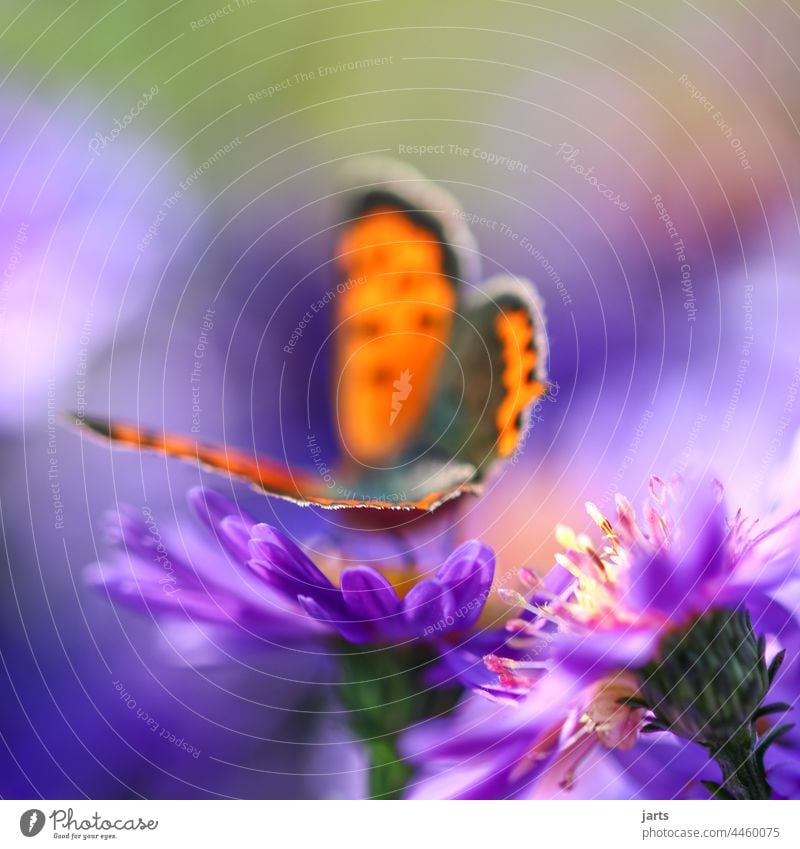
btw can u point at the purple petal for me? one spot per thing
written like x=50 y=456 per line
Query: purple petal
x=703 y=540
x=673 y=582
x=769 y=616
x=464 y=781
x=656 y=583
x=281 y=562
x=211 y=507
x=127 y=531
x=428 y=609
x=588 y=656
x=470 y=671
x=766 y=569
x=784 y=774
x=368 y=595
x=353 y=632
x=555 y=582
x=477 y=751
x=660 y=766
x=468 y=574
x=224 y=519
x=146 y=594
x=234 y=534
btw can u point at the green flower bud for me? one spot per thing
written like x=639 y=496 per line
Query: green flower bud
x=710 y=678
x=708 y=685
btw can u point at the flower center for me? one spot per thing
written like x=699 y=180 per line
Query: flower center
x=605 y=719
x=615 y=723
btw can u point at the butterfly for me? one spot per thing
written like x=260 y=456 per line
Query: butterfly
x=435 y=377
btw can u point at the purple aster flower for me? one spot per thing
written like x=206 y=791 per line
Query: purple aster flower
x=594 y=642
x=562 y=741
x=365 y=607
x=179 y=575
x=262 y=584
x=646 y=582
x=404 y=647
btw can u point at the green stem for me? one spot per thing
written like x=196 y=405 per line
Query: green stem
x=388 y=772
x=743 y=775
x=385 y=693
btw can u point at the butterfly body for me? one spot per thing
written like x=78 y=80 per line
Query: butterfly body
x=434 y=376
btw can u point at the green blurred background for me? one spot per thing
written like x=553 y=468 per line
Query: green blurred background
x=502 y=74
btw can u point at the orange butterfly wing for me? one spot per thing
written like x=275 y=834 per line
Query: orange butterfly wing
x=270 y=476
x=522 y=377
x=392 y=327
